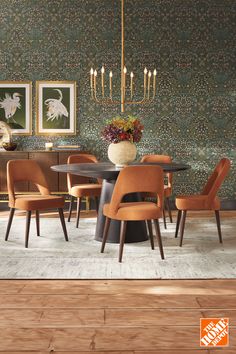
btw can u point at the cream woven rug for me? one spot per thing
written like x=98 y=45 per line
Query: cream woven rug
x=50 y=257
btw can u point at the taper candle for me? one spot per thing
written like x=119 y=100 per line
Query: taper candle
x=149 y=81
x=91 y=78
x=131 y=84
x=144 y=82
x=95 y=80
x=124 y=80
x=110 y=76
x=102 y=78
x=154 y=82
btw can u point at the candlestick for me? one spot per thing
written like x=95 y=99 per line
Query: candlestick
x=102 y=77
x=110 y=76
x=144 y=82
x=131 y=84
x=154 y=82
x=48 y=146
x=149 y=81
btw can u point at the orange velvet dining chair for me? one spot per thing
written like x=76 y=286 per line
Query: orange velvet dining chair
x=136 y=179
x=30 y=171
x=167 y=186
x=79 y=186
x=207 y=200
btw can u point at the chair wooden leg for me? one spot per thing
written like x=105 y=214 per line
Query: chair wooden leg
x=158 y=233
x=78 y=211
x=182 y=225
x=96 y=203
x=63 y=224
x=177 y=223
x=164 y=217
x=168 y=208
x=70 y=207
x=12 y=211
x=28 y=218
x=150 y=233
x=217 y=214
x=122 y=239
x=37 y=222
x=105 y=233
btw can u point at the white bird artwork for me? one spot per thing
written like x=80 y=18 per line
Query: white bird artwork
x=55 y=108
x=10 y=104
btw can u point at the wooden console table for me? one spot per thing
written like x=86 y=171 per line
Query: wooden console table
x=46 y=159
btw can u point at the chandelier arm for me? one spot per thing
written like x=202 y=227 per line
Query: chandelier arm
x=146 y=101
x=107 y=101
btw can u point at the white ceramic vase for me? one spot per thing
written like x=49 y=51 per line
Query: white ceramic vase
x=121 y=154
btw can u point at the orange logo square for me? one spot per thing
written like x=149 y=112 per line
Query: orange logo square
x=214 y=332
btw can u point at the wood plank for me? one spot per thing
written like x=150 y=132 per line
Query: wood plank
x=216 y=313
x=182 y=351
x=98 y=301
x=9 y=287
x=165 y=317
x=128 y=338
x=224 y=350
x=191 y=287
x=92 y=339
x=51 y=317
x=25 y=339
x=83 y=352
x=217 y=302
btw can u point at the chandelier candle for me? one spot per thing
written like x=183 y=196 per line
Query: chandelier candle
x=131 y=84
x=102 y=79
x=110 y=75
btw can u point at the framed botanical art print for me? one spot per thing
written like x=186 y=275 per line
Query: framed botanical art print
x=15 y=106
x=56 y=107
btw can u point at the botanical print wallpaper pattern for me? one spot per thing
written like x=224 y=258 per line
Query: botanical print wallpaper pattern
x=191 y=43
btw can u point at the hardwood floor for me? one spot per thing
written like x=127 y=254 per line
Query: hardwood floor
x=115 y=316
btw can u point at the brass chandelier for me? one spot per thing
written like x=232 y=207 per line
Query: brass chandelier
x=126 y=91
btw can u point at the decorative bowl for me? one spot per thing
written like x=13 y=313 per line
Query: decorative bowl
x=9 y=146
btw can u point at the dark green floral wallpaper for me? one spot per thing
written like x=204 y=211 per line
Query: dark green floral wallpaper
x=191 y=43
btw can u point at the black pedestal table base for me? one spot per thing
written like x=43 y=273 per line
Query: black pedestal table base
x=136 y=230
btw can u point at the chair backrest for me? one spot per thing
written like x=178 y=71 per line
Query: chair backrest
x=162 y=159
x=80 y=158
x=25 y=170
x=216 y=179
x=138 y=179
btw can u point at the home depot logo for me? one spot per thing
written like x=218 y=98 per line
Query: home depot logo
x=214 y=332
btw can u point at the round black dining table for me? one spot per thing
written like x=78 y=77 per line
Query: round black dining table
x=136 y=230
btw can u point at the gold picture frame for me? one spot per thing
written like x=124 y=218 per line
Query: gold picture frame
x=55 y=107
x=16 y=106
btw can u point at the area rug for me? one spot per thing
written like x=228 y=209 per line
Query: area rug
x=50 y=257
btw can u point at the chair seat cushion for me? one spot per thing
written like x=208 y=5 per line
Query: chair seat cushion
x=38 y=202
x=196 y=202
x=86 y=190
x=134 y=211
